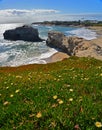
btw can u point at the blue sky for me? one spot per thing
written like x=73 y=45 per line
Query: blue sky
x=45 y=10
x=64 y=6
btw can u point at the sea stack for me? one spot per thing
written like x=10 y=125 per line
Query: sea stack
x=25 y=33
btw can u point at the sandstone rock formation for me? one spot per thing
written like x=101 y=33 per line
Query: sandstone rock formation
x=25 y=33
x=74 y=45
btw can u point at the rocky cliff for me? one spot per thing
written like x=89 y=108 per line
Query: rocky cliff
x=74 y=45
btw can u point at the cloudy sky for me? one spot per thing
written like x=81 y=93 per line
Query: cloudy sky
x=39 y=10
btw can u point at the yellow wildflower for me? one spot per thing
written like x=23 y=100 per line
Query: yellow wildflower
x=5 y=82
x=80 y=98
x=60 y=101
x=93 y=118
x=29 y=78
x=98 y=124
x=39 y=115
x=55 y=97
x=7 y=87
x=70 y=99
x=11 y=95
x=11 y=83
x=6 y=103
x=17 y=91
x=99 y=67
x=86 y=78
x=54 y=105
x=71 y=90
x=18 y=76
x=53 y=124
x=101 y=74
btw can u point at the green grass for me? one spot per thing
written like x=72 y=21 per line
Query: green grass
x=27 y=102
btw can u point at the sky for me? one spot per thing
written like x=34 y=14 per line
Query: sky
x=10 y=9
x=65 y=6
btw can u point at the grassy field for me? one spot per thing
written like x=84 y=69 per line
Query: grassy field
x=65 y=95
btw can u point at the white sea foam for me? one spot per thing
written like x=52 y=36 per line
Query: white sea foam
x=3 y=57
x=41 y=59
x=50 y=28
x=48 y=54
x=35 y=25
x=22 y=59
x=83 y=33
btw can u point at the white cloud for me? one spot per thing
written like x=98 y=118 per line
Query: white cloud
x=26 y=16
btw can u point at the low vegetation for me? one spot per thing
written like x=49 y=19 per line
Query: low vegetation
x=84 y=23
x=65 y=95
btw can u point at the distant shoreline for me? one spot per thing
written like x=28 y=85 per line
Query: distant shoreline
x=79 y=23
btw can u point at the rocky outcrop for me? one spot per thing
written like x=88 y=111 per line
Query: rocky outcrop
x=25 y=33
x=66 y=44
x=74 y=45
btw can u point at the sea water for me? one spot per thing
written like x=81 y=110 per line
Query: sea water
x=16 y=53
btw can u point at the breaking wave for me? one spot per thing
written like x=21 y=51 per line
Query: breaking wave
x=83 y=33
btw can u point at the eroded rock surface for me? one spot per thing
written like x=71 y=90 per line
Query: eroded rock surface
x=74 y=45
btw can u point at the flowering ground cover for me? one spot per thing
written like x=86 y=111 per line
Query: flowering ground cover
x=65 y=95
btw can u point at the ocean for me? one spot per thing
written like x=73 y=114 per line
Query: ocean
x=17 y=53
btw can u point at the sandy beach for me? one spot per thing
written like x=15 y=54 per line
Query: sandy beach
x=97 y=29
x=59 y=56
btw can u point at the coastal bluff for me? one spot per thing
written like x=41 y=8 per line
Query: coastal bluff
x=25 y=33
x=74 y=46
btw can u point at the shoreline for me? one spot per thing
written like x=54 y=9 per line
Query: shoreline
x=58 y=56
x=97 y=29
